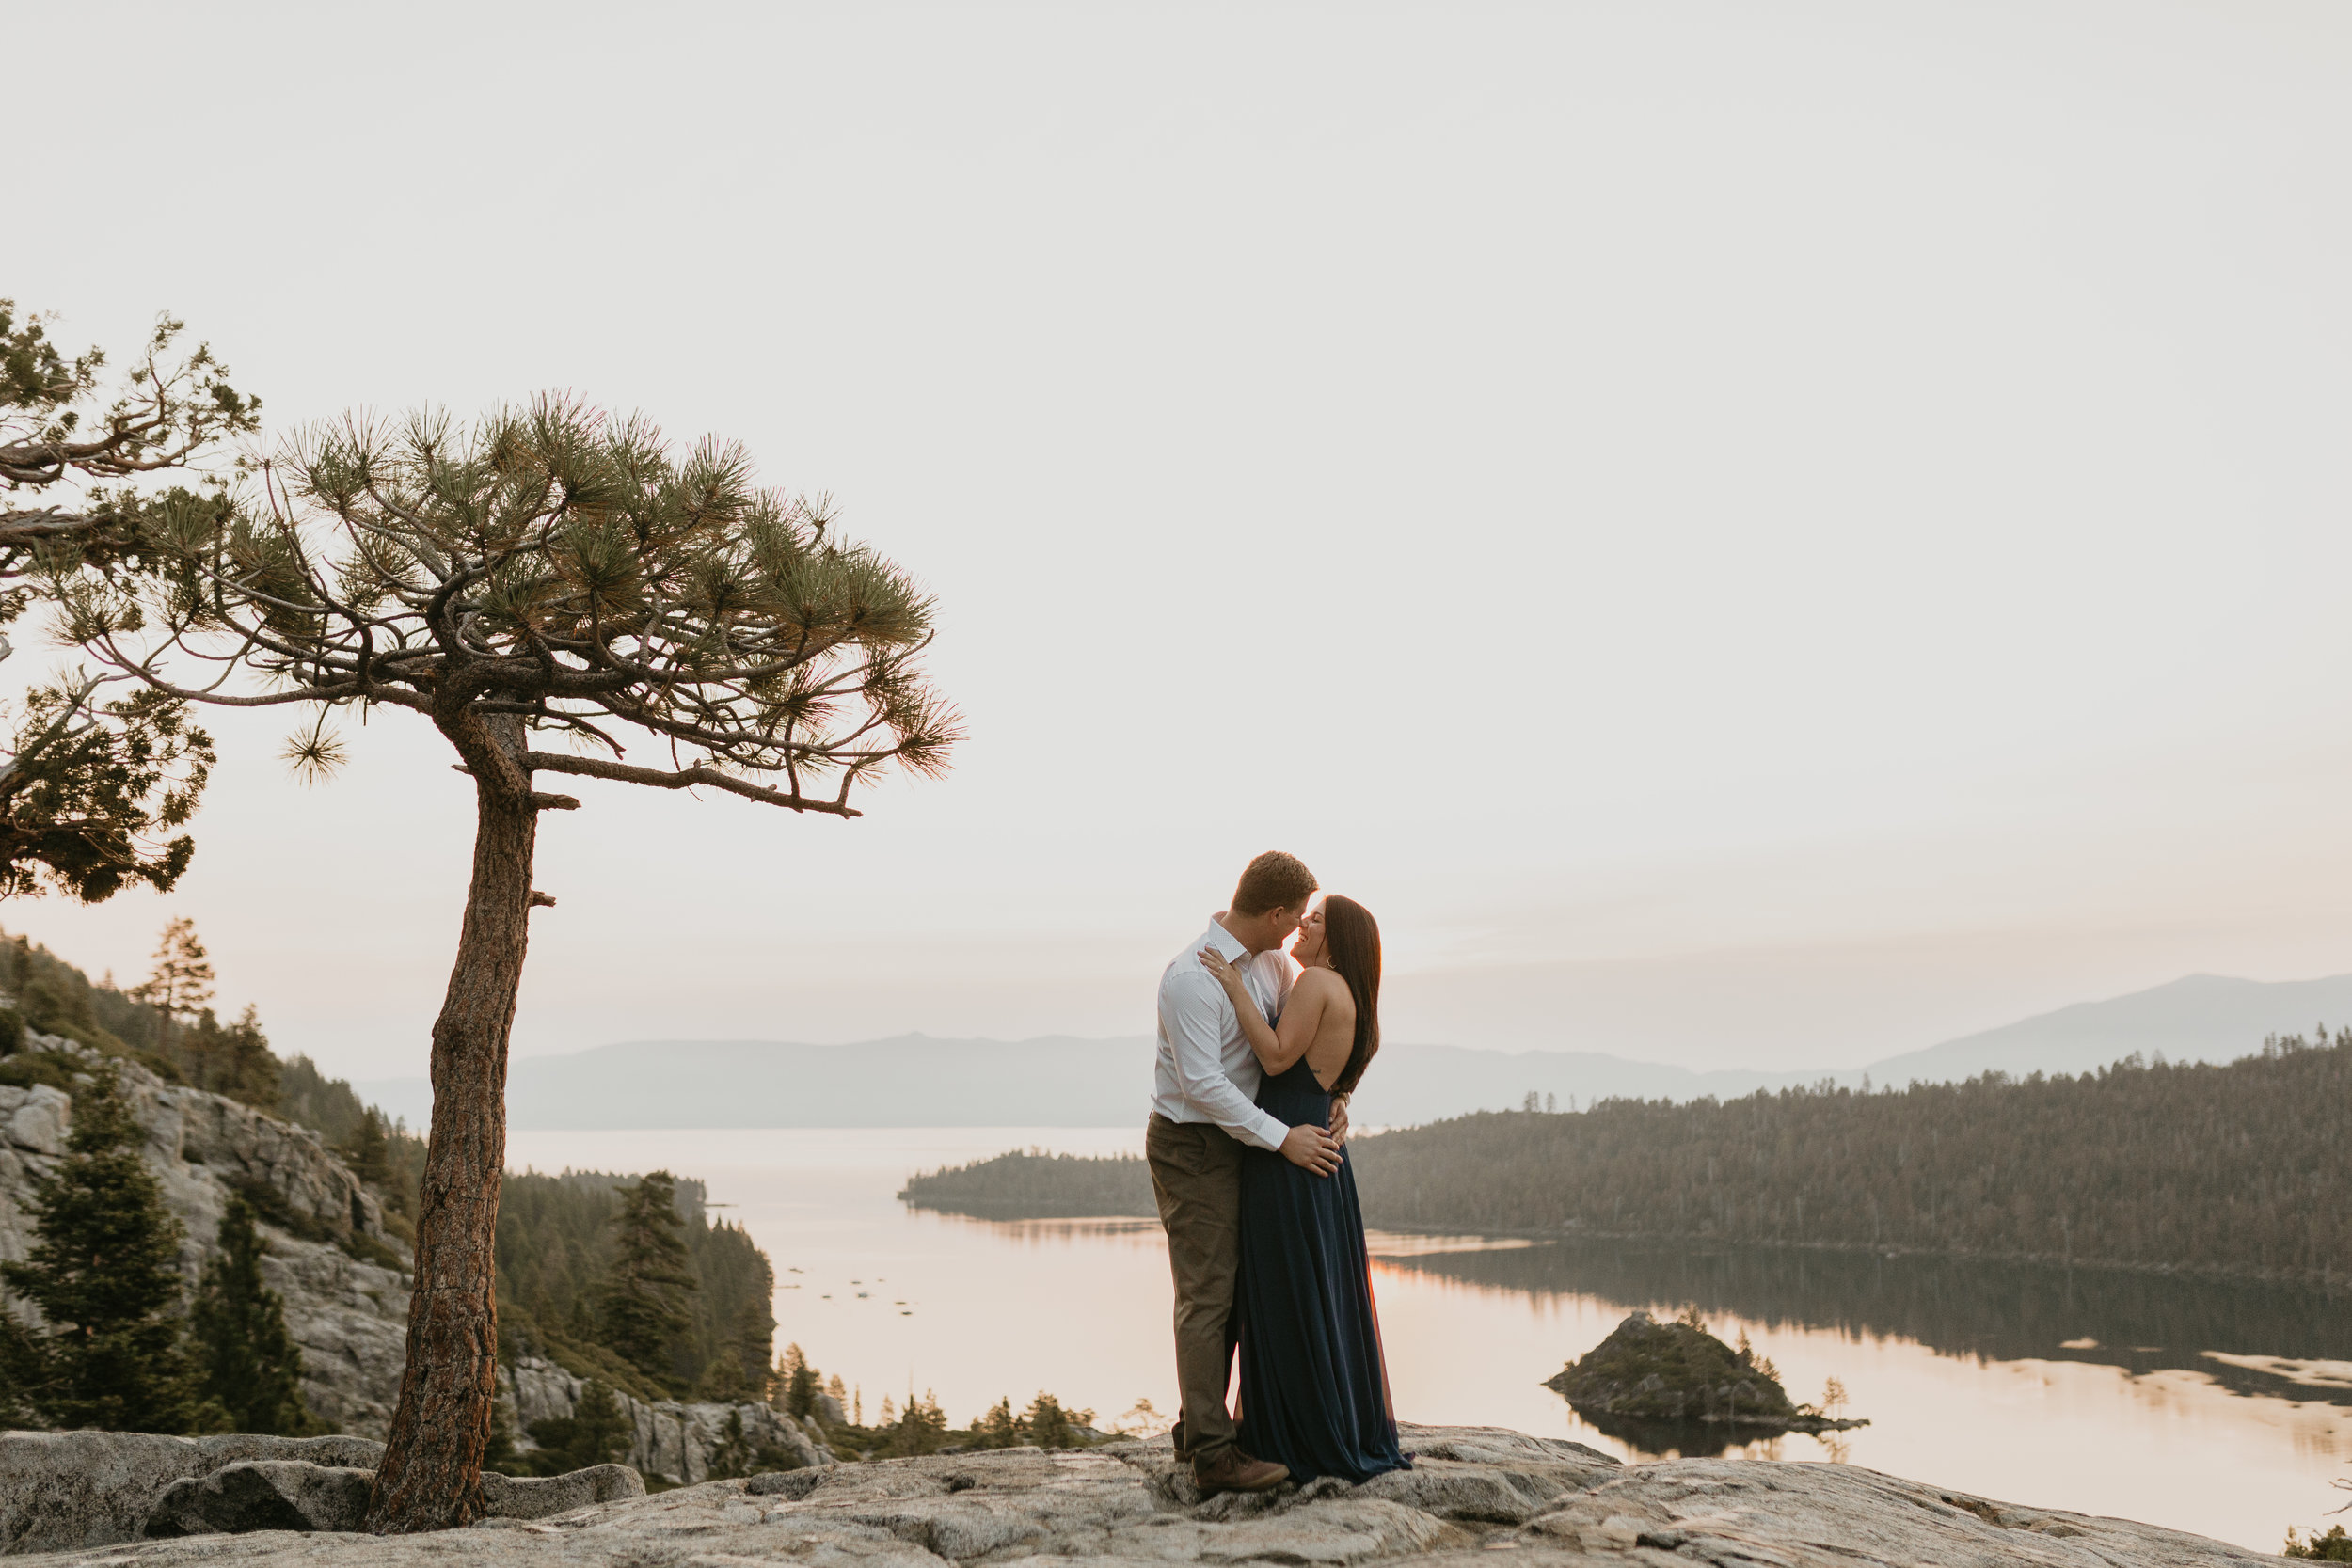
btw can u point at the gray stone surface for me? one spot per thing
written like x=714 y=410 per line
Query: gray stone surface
x=539 y=1496
x=667 y=1438
x=60 y=1489
x=1544 y=1502
x=349 y=1317
x=264 y=1495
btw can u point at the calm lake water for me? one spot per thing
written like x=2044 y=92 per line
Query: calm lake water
x=2221 y=1409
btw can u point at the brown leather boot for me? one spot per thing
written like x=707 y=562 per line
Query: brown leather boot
x=1235 y=1472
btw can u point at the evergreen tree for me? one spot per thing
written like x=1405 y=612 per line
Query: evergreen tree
x=370 y=1151
x=23 y=1374
x=643 y=1307
x=1049 y=1426
x=244 y=1355
x=920 y=1429
x=243 y=1062
x=182 y=979
x=801 y=1383
x=999 y=1428
x=88 y=788
x=596 y=1432
x=103 y=1274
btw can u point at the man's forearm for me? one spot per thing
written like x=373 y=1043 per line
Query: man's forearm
x=1236 y=1113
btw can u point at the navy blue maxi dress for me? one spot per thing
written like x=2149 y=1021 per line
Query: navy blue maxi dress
x=1314 y=1390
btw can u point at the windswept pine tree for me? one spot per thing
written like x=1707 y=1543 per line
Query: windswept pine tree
x=649 y=1287
x=548 y=587
x=104 y=1275
x=245 y=1359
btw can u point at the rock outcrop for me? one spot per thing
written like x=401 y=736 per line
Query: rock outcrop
x=350 y=1317
x=61 y=1489
x=668 y=1439
x=1473 y=1491
x=264 y=1494
x=276 y=1495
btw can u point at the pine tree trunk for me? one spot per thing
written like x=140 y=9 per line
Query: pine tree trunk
x=431 y=1474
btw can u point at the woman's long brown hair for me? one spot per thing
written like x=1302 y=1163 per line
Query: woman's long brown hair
x=1353 y=940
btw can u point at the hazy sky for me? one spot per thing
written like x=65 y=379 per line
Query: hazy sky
x=1766 y=534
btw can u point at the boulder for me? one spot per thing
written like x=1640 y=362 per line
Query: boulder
x=542 y=1497
x=62 y=1489
x=792 y=1485
x=359 y=1454
x=66 y=1489
x=264 y=1494
x=248 y=1495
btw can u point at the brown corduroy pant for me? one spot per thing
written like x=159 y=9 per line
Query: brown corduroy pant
x=1195 y=1176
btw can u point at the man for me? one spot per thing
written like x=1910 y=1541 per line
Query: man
x=1204 y=1089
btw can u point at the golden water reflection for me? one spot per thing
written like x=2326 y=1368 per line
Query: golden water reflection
x=2211 y=1410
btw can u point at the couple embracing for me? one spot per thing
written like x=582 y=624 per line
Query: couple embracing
x=1248 y=1156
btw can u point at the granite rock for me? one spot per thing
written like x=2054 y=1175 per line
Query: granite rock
x=666 y=1438
x=349 y=1317
x=264 y=1494
x=61 y=1489
x=1546 y=1503
x=539 y=1496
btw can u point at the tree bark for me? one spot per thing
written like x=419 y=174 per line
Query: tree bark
x=431 y=1474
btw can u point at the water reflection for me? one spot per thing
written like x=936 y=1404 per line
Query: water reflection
x=2284 y=1341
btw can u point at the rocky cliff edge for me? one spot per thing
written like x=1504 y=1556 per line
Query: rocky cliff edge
x=349 y=1317
x=1473 y=1492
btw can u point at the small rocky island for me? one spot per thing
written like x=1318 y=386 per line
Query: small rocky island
x=1648 y=1375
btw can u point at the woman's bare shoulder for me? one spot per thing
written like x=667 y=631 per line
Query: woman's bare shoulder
x=1324 y=984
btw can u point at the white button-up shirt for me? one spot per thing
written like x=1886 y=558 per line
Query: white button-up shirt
x=1205 y=1070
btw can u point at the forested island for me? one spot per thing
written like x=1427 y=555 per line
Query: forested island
x=2237 y=1170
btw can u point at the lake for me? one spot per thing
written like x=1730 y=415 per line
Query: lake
x=2221 y=1409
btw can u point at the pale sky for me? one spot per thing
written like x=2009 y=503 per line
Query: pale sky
x=1746 y=533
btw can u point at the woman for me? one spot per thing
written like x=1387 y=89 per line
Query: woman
x=1314 y=1390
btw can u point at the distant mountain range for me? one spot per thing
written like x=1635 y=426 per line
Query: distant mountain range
x=915 y=1081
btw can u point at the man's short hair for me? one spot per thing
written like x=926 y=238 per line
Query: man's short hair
x=1274 y=881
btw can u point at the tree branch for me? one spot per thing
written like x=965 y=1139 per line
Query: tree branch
x=685 y=777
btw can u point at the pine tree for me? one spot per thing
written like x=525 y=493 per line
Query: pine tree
x=244 y=1355
x=643 y=1306
x=369 y=1152
x=246 y=1068
x=103 y=1276
x=88 y=788
x=596 y=1432
x=920 y=1429
x=182 y=979
x=178 y=989
x=998 y=1427
x=801 y=1383
x=1049 y=1426
x=543 y=580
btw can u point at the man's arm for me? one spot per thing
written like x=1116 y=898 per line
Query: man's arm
x=1192 y=1015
